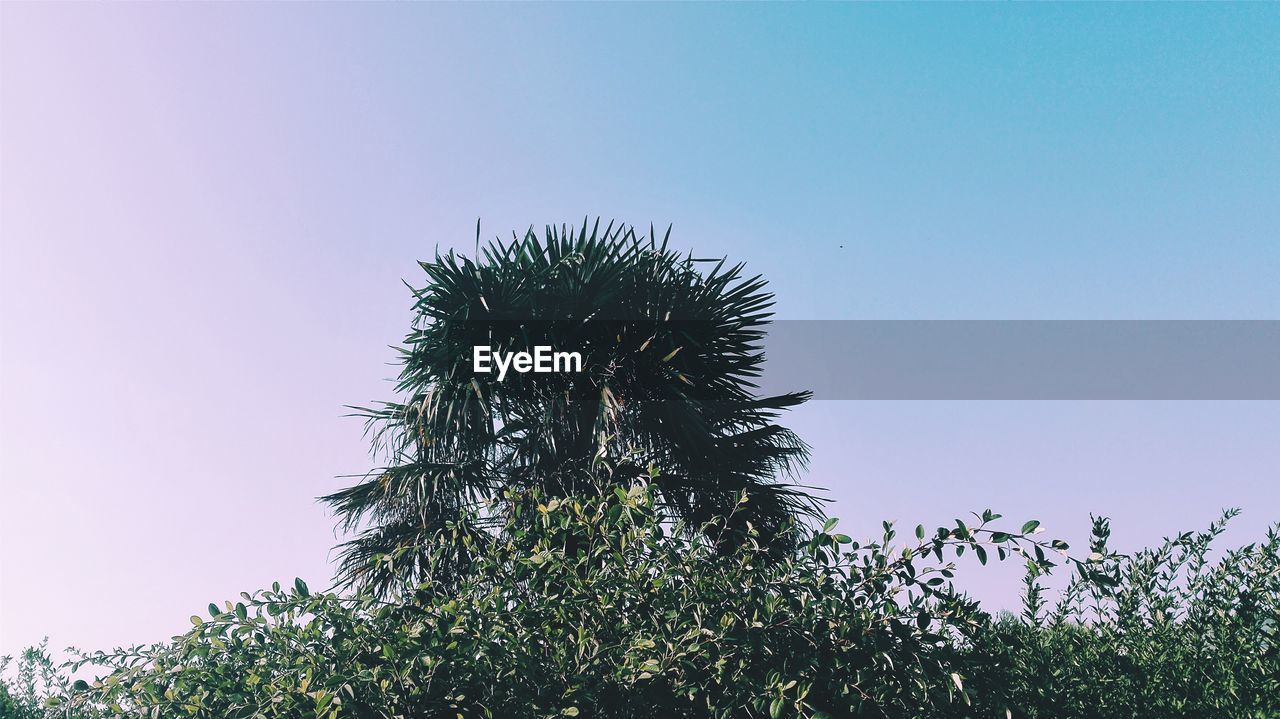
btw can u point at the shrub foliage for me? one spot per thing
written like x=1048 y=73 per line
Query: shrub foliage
x=1162 y=633
x=596 y=607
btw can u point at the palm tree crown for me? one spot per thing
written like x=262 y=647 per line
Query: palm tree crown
x=669 y=354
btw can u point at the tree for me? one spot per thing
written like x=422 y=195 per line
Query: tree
x=666 y=392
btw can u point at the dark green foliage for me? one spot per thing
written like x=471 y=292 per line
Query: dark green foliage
x=671 y=346
x=1163 y=633
x=41 y=689
x=592 y=607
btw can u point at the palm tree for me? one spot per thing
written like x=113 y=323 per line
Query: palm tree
x=665 y=391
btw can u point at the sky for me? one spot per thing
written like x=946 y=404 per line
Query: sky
x=207 y=212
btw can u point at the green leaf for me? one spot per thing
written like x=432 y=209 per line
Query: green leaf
x=301 y=587
x=1030 y=527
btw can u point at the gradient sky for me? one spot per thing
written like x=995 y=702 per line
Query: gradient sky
x=206 y=212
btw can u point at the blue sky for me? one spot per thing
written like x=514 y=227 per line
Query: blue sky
x=206 y=212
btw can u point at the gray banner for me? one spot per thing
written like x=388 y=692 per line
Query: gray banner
x=1003 y=359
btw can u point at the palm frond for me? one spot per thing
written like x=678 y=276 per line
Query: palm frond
x=671 y=355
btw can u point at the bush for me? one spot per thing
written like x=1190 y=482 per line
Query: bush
x=599 y=608
x=1163 y=633
x=40 y=689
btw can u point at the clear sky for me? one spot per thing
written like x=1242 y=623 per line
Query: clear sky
x=206 y=211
